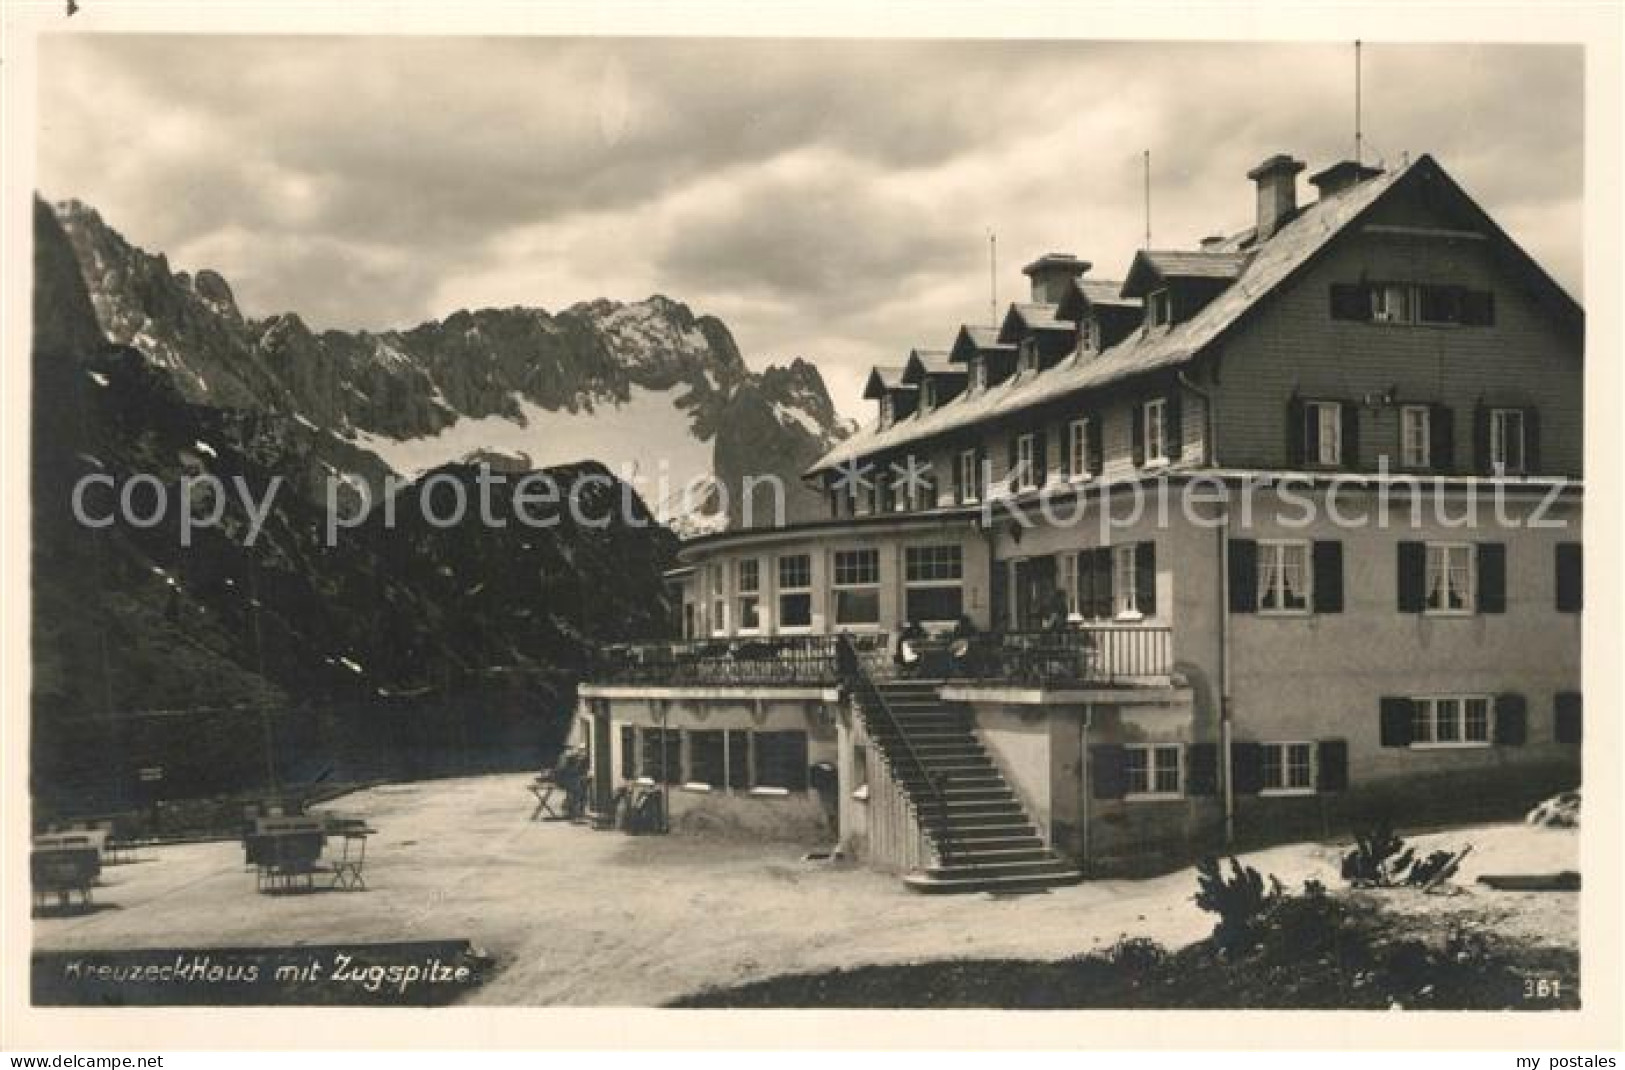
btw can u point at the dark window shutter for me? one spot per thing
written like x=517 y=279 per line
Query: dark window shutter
x=1531 y=441
x=1247 y=767
x=1478 y=308
x=1413 y=576
x=674 y=756
x=1096 y=443
x=1086 y=583
x=981 y=472
x=1015 y=454
x=1395 y=727
x=1145 y=577
x=1566 y=717
x=1297 y=432
x=1138 y=433
x=1481 y=439
x=1202 y=769
x=1040 y=457
x=1243 y=576
x=1173 y=426
x=739 y=759
x=629 y=752
x=1328 y=566
x=998 y=587
x=1511 y=720
x=1350 y=301
x=1332 y=762
x=1106 y=767
x=1105 y=582
x=1492 y=577
x=1350 y=417
x=1570 y=578
x=1442 y=438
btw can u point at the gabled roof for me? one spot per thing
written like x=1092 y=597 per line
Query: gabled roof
x=884 y=379
x=973 y=339
x=1152 y=268
x=923 y=362
x=1270 y=265
x=1084 y=293
x=1026 y=317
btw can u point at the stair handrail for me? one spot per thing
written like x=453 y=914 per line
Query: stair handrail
x=849 y=666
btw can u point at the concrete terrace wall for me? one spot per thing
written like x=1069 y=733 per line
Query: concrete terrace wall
x=798 y=816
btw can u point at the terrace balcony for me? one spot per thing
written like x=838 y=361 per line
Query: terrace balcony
x=1090 y=656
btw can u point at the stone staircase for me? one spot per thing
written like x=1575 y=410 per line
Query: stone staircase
x=984 y=840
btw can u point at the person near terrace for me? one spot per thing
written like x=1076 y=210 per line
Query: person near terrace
x=908 y=647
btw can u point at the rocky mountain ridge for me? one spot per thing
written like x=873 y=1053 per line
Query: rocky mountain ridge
x=540 y=387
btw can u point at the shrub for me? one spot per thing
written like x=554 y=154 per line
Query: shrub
x=1136 y=954
x=1439 y=865
x=1378 y=857
x=1239 y=899
x=1381 y=859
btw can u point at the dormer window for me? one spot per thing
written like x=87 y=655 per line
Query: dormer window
x=1159 y=308
x=928 y=395
x=887 y=410
x=978 y=372
x=1089 y=335
x=1029 y=355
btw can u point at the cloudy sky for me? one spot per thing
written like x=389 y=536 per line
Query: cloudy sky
x=826 y=199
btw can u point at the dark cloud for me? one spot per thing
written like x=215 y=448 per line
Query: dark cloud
x=827 y=198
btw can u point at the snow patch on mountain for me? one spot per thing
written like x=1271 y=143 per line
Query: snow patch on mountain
x=647 y=441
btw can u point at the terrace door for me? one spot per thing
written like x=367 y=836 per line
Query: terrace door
x=1034 y=583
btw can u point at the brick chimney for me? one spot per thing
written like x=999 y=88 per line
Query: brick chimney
x=1051 y=273
x=1341 y=175
x=1277 y=182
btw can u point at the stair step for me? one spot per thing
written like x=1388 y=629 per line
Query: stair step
x=932 y=884
x=960 y=857
x=958 y=808
x=986 y=778
x=1047 y=862
x=962 y=848
x=991 y=824
x=1005 y=833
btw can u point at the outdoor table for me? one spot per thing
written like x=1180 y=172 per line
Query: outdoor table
x=285 y=850
x=63 y=863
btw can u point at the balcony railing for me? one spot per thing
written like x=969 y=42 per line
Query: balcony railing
x=788 y=661
x=1093 y=655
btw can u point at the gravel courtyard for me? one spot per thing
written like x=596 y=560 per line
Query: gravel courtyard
x=574 y=916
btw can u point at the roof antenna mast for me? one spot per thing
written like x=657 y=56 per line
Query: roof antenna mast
x=1148 y=199
x=992 y=278
x=1358 y=137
